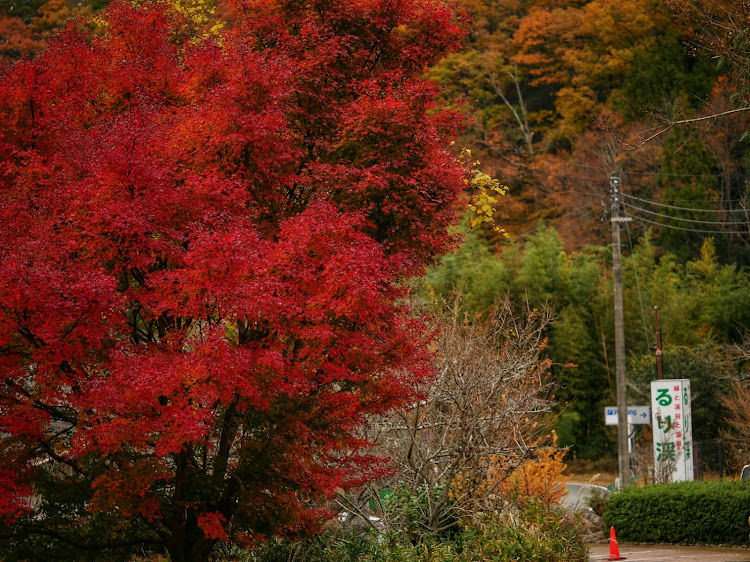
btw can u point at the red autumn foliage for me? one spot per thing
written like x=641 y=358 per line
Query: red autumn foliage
x=203 y=249
x=212 y=525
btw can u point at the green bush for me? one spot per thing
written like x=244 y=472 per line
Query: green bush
x=534 y=534
x=538 y=534
x=682 y=513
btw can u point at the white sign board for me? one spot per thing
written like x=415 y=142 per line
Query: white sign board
x=673 y=430
x=637 y=415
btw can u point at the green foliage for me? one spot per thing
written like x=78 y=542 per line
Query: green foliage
x=596 y=499
x=661 y=72
x=688 y=177
x=720 y=294
x=682 y=513
x=533 y=534
x=585 y=386
x=700 y=299
x=541 y=271
x=567 y=428
x=537 y=535
x=408 y=509
x=703 y=304
x=709 y=383
x=474 y=271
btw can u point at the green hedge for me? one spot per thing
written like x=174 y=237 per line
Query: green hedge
x=682 y=513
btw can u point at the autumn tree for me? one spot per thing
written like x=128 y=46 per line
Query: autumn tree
x=204 y=242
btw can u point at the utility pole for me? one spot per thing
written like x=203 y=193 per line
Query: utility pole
x=623 y=454
x=658 y=342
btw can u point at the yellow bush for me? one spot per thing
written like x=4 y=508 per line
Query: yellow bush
x=539 y=478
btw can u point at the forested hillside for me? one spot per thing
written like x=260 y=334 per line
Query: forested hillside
x=564 y=93
x=560 y=94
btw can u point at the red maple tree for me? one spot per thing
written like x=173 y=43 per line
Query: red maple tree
x=204 y=244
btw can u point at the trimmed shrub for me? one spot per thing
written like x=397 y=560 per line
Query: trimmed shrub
x=682 y=513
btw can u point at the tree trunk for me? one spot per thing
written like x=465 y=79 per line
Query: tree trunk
x=189 y=544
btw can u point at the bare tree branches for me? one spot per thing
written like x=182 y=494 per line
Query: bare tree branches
x=520 y=114
x=665 y=127
x=478 y=418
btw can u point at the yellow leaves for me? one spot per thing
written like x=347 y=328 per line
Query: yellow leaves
x=196 y=11
x=482 y=189
x=538 y=478
x=575 y=106
x=216 y=28
x=198 y=15
x=100 y=24
x=708 y=254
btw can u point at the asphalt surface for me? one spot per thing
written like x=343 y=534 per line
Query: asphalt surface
x=647 y=553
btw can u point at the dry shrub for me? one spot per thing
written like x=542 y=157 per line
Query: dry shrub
x=737 y=434
x=479 y=420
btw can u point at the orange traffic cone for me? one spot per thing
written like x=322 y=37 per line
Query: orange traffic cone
x=614 y=550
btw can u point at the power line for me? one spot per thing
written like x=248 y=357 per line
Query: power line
x=650 y=174
x=591 y=194
x=707 y=201
x=657 y=204
x=589 y=166
x=694 y=221
x=565 y=177
x=696 y=230
x=668 y=175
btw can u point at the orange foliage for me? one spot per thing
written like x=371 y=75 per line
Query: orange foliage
x=56 y=13
x=538 y=479
x=16 y=38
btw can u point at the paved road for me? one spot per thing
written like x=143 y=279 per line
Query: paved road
x=646 y=553
x=576 y=494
